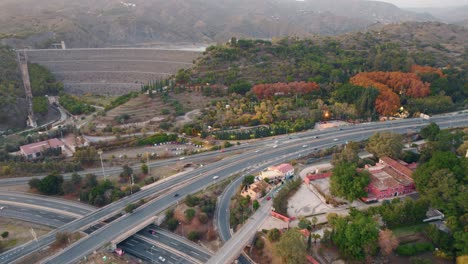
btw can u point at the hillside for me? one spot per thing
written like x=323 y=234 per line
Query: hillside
x=13 y=104
x=13 y=111
x=112 y=22
x=333 y=59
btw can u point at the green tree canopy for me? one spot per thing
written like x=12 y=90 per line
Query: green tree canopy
x=430 y=131
x=347 y=182
x=348 y=154
x=292 y=247
x=356 y=235
x=385 y=144
x=51 y=184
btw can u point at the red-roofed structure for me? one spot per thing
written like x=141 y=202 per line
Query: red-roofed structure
x=390 y=178
x=34 y=150
x=315 y=176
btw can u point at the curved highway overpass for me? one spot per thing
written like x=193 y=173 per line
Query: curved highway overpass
x=53 y=212
x=163 y=192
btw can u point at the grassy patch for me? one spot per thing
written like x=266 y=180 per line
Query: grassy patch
x=408 y=230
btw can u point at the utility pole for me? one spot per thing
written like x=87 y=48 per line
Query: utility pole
x=102 y=164
x=147 y=163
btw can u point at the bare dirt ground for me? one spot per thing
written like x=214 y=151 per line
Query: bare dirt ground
x=19 y=232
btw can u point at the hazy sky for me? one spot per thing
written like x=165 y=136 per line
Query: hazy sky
x=427 y=3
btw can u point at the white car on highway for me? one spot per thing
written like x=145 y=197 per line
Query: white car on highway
x=215 y=177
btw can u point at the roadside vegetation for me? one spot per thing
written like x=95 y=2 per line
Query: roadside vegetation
x=280 y=200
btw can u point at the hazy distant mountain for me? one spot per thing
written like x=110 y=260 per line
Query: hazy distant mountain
x=448 y=14
x=91 y=23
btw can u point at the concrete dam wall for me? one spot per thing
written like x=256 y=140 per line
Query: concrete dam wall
x=111 y=71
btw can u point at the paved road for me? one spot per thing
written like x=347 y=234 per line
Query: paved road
x=46 y=203
x=202 y=177
x=32 y=215
x=28 y=207
x=229 y=250
x=177 y=242
x=146 y=251
x=116 y=170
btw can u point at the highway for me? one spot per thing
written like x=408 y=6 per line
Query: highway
x=200 y=178
x=33 y=215
x=28 y=207
x=116 y=170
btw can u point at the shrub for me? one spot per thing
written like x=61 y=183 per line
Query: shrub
x=274 y=235
x=5 y=234
x=413 y=249
x=172 y=224
x=203 y=218
x=194 y=235
x=189 y=214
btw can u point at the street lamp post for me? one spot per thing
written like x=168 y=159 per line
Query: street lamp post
x=147 y=164
x=102 y=164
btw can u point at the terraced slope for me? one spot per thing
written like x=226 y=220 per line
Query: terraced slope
x=111 y=71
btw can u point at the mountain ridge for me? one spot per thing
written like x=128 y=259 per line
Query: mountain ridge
x=110 y=22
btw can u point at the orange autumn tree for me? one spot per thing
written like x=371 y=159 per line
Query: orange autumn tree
x=268 y=90
x=390 y=84
x=426 y=69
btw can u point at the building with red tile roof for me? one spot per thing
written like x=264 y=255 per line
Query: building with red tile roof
x=390 y=178
x=34 y=150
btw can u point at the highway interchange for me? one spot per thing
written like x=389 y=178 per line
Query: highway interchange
x=289 y=147
x=57 y=213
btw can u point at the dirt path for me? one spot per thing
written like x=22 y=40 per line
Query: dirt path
x=188 y=117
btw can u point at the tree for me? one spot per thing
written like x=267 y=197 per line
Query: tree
x=86 y=156
x=144 y=168
x=172 y=224
x=304 y=223
x=385 y=144
x=61 y=239
x=51 y=184
x=291 y=247
x=274 y=235
x=129 y=208
x=315 y=237
x=189 y=214
x=75 y=178
x=194 y=235
x=387 y=241
x=355 y=235
x=68 y=187
x=126 y=171
x=34 y=183
x=5 y=234
x=249 y=179
x=40 y=105
x=347 y=182
x=430 y=131
x=255 y=205
x=348 y=154
x=314 y=221
x=90 y=181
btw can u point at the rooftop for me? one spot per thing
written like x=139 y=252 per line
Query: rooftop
x=41 y=145
x=285 y=167
x=397 y=166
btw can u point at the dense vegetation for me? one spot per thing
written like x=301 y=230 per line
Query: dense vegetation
x=42 y=81
x=75 y=106
x=389 y=67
